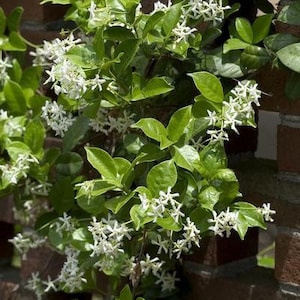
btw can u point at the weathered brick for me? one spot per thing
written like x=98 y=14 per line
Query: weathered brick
x=34 y=11
x=288 y=154
x=287 y=257
x=215 y=251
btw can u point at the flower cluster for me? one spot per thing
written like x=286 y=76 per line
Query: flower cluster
x=224 y=222
x=237 y=111
x=23 y=242
x=164 y=205
x=5 y=64
x=267 y=212
x=12 y=173
x=57 y=118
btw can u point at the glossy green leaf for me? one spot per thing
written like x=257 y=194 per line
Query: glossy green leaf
x=82 y=56
x=280 y=40
x=91 y=204
x=209 y=85
x=75 y=133
x=69 y=164
x=290 y=57
x=133 y=143
x=14 y=19
x=15 y=97
x=161 y=177
x=244 y=29
x=126 y=293
x=261 y=27
x=116 y=203
x=148 y=153
x=181 y=122
x=234 y=44
x=16 y=148
x=14 y=43
x=127 y=51
x=168 y=223
x=152 y=22
x=290 y=14
x=209 y=197
x=185 y=157
x=138 y=218
x=254 y=57
x=61 y=195
x=102 y=162
x=171 y=19
x=118 y=33
x=34 y=136
x=82 y=239
x=2 y=21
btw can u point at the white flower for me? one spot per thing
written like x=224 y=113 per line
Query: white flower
x=35 y=284
x=4 y=65
x=266 y=212
x=64 y=223
x=150 y=265
x=224 y=222
x=159 y=6
x=182 y=32
x=96 y=82
x=23 y=242
x=71 y=277
x=163 y=244
x=57 y=118
x=167 y=281
x=209 y=10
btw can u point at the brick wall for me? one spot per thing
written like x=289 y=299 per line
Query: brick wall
x=222 y=268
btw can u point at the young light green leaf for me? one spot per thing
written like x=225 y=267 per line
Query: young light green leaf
x=14 y=19
x=152 y=22
x=181 y=122
x=126 y=293
x=91 y=204
x=171 y=19
x=234 y=44
x=185 y=157
x=34 y=136
x=209 y=85
x=15 y=97
x=102 y=162
x=161 y=177
x=168 y=223
x=116 y=203
x=261 y=27
x=244 y=29
x=209 y=197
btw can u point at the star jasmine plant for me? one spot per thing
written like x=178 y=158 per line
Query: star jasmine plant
x=112 y=142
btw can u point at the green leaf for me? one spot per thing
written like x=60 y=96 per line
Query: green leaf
x=185 y=157
x=261 y=27
x=116 y=203
x=290 y=57
x=234 y=44
x=61 y=195
x=98 y=43
x=14 y=19
x=148 y=153
x=16 y=148
x=168 y=223
x=254 y=57
x=161 y=177
x=181 y=122
x=125 y=173
x=155 y=130
x=69 y=163
x=34 y=136
x=200 y=217
x=156 y=86
x=82 y=239
x=31 y=78
x=209 y=85
x=127 y=49
x=241 y=226
x=280 y=40
x=152 y=22
x=15 y=97
x=14 y=43
x=102 y=162
x=290 y=14
x=82 y=56
x=91 y=204
x=138 y=218
x=171 y=19
x=75 y=133
x=126 y=293
x=2 y=21
x=251 y=214
x=209 y=197
x=244 y=29
x=133 y=143
x=118 y=33
x=98 y=187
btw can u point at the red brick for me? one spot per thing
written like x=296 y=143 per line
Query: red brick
x=42 y=260
x=34 y=11
x=272 y=82
x=257 y=284
x=215 y=251
x=287 y=258
x=288 y=154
